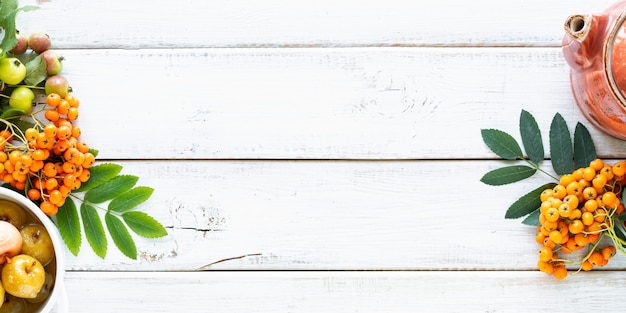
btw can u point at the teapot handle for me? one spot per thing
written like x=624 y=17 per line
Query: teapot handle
x=608 y=56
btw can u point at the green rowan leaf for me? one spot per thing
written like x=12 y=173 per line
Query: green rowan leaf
x=69 y=226
x=100 y=174
x=144 y=225
x=130 y=199
x=561 y=146
x=8 y=14
x=120 y=235
x=502 y=144
x=531 y=137
x=527 y=203
x=35 y=71
x=584 y=149
x=508 y=175
x=111 y=189
x=9 y=113
x=532 y=219
x=94 y=230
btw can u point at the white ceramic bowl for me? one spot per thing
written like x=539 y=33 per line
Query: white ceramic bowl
x=57 y=301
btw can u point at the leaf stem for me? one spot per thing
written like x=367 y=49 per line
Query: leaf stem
x=538 y=168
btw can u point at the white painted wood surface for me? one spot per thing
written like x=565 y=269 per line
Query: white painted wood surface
x=320 y=157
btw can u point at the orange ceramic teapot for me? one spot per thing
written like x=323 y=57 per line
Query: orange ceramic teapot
x=594 y=46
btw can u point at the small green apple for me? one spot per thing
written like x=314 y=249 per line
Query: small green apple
x=22 y=99
x=10 y=241
x=13 y=305
x=37 y=243
x=57 y=84
x=12 y=70
x=53 y=62
x=39 y=42
x=12 y=213
x=21 y=45
x=23 y=276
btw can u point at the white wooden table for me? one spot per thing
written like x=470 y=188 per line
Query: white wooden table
x=321 y=156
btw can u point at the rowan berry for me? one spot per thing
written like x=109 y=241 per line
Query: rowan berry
x=559 y=191
x=619 y=168
x=608 y=252
x=31 y=134
x=596 y=259
x=587 y=266
x=560 y=272
x=545 y=254
x=546 y=194
x=49 y=208
x=34 y=194
x=576 y=226
x=53 y=99
x=552 y=214
x=51 y=183
x=64 y=132
x=545 y=267
x=599 y=181
x=581 y=239
x=55 y=197
x=600 y=215
x=63 y=107
x=593 y=237
x=595 y=228
x=51 y=115
x=65 y=191
x=550 y=225
x=82 y=147
x=591 y=205
x=607 y=172
x=566 y=179
x=596 y=164
x=89 y=161
x=587 y=218
x=574 y=188
x=571 y=200
x=540 y=238
x=555 y=236
x=72 y=114
x=76 y=132
x=609 y=200
x=50 y=170
x=36 y=166
x=589 y=173
x=578 y=174
x=564 y=210
x=69 y=180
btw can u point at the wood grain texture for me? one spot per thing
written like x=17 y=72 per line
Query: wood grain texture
x=279 y=23
x=339 y=291
x=361 y=103
x=322 y=215
x=320 y=158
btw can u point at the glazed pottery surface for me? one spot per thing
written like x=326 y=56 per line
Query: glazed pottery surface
x=595 y=48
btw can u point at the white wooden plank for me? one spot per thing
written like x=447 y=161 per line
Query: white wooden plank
x=416 y=215
x=279 y=23
x=340 y=292
x=391 y=103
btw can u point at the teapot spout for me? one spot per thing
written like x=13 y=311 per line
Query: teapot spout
x=582 y=43
x=577 y=26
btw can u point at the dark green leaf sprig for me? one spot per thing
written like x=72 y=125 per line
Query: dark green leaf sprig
x=566 y=156
x=117 y=197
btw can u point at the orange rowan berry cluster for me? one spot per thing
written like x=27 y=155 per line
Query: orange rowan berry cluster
x=576 y=214
x=49 y=161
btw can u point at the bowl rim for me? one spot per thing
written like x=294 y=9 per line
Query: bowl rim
x=55 y=236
